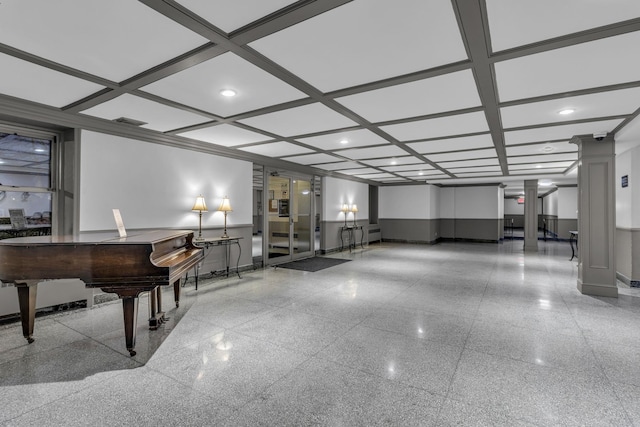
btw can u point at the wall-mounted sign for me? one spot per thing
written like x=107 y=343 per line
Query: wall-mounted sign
x=625 y=181
x=521 y=200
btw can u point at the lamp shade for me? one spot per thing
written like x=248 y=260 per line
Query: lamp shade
x=225 y=206
x=199 y=205
x=354 y=208
x=345 y=208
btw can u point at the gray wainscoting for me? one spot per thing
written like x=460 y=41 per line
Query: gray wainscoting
x=482 y=230
x=566 y=225
x=518 y=220
x=432 y=230
x=410 y=230
x=375 y=234
x=330 y=235
x=215 y=261
x=627 y=255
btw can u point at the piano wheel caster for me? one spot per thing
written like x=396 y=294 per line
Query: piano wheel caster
x=29 y=340
x=132 y=353
x=177 y=304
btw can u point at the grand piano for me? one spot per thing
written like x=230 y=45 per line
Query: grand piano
x=126 y=266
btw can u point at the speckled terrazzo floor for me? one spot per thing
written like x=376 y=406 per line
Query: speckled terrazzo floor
x=451 y=334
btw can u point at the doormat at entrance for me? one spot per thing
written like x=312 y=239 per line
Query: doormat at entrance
x=312 y=264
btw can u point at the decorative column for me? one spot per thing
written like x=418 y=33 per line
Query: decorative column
x=596 y=215
x=531 y=215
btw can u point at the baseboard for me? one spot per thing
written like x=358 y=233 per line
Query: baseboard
x=458 y=239
x=413 y=242
x=627 y=281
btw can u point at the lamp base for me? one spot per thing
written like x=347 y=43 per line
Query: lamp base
x=224 y=236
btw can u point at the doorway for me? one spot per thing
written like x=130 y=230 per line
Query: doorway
x=289 y=217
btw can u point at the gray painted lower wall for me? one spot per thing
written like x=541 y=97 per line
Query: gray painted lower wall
x=627 y=253
x=550 y=222
x=410 y=230
x=330 y=233
x=375 y=234
x=518 y=221
x=566 y=225
x=483 y=230
x=624 y=249
x=215 y=260
x=432 y=230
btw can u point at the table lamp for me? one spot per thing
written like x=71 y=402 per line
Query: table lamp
x=199 y=206
x=345 y=209
x=225 y=207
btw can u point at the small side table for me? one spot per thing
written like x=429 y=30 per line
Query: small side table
x=351 y=236
x=210 y=242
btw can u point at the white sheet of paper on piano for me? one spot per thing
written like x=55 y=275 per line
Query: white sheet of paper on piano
x=119 y=223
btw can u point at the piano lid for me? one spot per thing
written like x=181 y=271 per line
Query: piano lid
x=90 y=237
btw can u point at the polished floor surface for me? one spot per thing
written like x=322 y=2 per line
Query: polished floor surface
x=451 y=334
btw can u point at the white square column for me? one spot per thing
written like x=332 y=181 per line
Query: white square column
x=596 y=215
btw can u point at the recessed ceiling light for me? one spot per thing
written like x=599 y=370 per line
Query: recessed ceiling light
x=344 y=141
x=39 y=150
x=420 y=173
x=228 y=92
x=566 y=111
x=548 y=149
x=394 y=162
x=538 y=166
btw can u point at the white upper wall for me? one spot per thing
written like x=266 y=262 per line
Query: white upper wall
x=511 y=207
x=478 y=202
x=336 y=192
x=628 y=198
x=447 y=208
x=434 y=208
x=567 y=202
x=155 y=186
x=550 y=204
x=408 y=202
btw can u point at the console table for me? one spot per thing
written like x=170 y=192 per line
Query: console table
x=573 y=239
x=351 y=236
x=209 y=243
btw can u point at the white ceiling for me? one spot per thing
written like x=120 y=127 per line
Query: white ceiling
x=443 y=91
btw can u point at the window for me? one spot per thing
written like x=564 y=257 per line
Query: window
x=25 y=185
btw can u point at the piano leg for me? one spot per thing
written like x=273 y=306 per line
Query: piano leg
x=155 y=305
x=27 y=301
x=130 y=310
x=176 y=290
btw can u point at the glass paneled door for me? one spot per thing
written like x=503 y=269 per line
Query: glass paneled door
x=289 y=217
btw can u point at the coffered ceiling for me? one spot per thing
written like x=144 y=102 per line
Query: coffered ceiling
x=442 y=91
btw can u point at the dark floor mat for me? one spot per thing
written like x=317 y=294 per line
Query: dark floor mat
x=313 y=264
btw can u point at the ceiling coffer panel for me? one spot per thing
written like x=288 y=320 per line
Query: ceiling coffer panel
x=381 y=90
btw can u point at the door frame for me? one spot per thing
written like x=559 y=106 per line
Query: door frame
x=291 y=176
